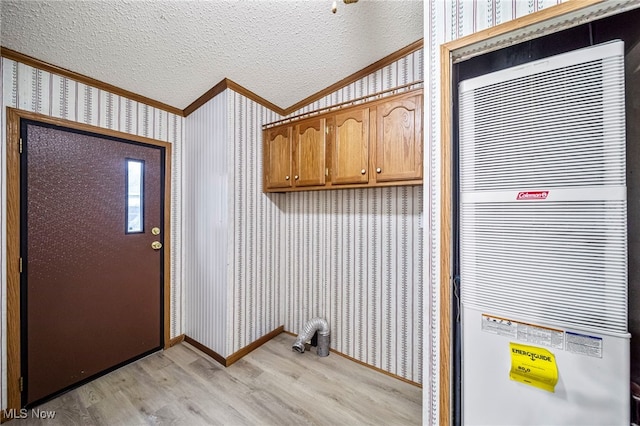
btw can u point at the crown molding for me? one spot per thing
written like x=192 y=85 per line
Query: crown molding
x=224 y=84
x=249 y=94
x=416 y=45
x=218 y=88
x=229 y=84
x=205 y=97
x=45 y=66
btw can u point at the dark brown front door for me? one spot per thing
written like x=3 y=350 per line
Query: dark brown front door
x=91 y=282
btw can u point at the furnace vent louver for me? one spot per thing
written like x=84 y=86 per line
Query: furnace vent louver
x=542 y=187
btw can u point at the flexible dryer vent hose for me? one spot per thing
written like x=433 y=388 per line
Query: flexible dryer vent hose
x=315 y=324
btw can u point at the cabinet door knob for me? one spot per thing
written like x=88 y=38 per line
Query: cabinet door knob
x=286 y=178
x=296 y=177
x=378 y=170
x=363 y=171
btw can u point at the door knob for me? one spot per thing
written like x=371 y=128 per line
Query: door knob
x=155 y=231
x=378 y=170
x=156 y=245
x=363 y=171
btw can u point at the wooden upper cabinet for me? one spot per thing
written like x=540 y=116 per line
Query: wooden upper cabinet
x=310 y=152
x=277 y=157
x=350 y=159
x=398 y=154
x=376 y=143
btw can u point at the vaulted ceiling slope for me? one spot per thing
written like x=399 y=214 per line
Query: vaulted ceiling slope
x=174 y=51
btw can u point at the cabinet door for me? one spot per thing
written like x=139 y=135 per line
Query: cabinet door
x=277 y=153
x=310 y=153
x=351 y=147
x=399 y=140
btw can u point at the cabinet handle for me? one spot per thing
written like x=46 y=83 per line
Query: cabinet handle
x=286 y=178
x=378 y=170
x=296 y=177
x=363 y=171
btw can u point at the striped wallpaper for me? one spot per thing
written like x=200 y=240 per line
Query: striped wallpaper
x=233 y=282
x=445 y=21
x=257 y=277
x=355 y=257
x=32 y=89
x=206 y=223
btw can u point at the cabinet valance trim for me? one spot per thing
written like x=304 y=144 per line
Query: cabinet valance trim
x=405 y=88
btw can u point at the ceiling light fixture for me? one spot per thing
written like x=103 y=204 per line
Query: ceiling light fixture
x=334 y=6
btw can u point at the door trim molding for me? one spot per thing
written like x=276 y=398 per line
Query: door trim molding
x=553 y=19
x=13 y=235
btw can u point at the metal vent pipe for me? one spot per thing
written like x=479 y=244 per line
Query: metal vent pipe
x=324 y=336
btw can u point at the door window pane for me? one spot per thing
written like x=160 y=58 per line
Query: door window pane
x=135 y=196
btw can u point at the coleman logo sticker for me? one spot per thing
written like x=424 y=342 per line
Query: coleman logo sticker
x=532 y=195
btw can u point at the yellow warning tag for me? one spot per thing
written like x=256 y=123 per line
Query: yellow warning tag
x=533 y=366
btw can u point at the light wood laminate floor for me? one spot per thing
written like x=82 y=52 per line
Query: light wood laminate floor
x=273 y=385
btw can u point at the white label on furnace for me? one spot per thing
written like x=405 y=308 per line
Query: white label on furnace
x=499 y=326
x=529 y=333
x=584 y=344
x=537 y=335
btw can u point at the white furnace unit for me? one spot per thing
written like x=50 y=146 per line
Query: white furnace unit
x=543 y=242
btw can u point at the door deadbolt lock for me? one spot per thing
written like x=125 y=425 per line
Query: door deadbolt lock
x=156 y=245
x=155 y=230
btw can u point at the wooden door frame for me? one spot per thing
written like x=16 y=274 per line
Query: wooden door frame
x=13 y=234
x=546 y=21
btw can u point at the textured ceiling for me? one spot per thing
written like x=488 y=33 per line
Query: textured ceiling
x=174 y=51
